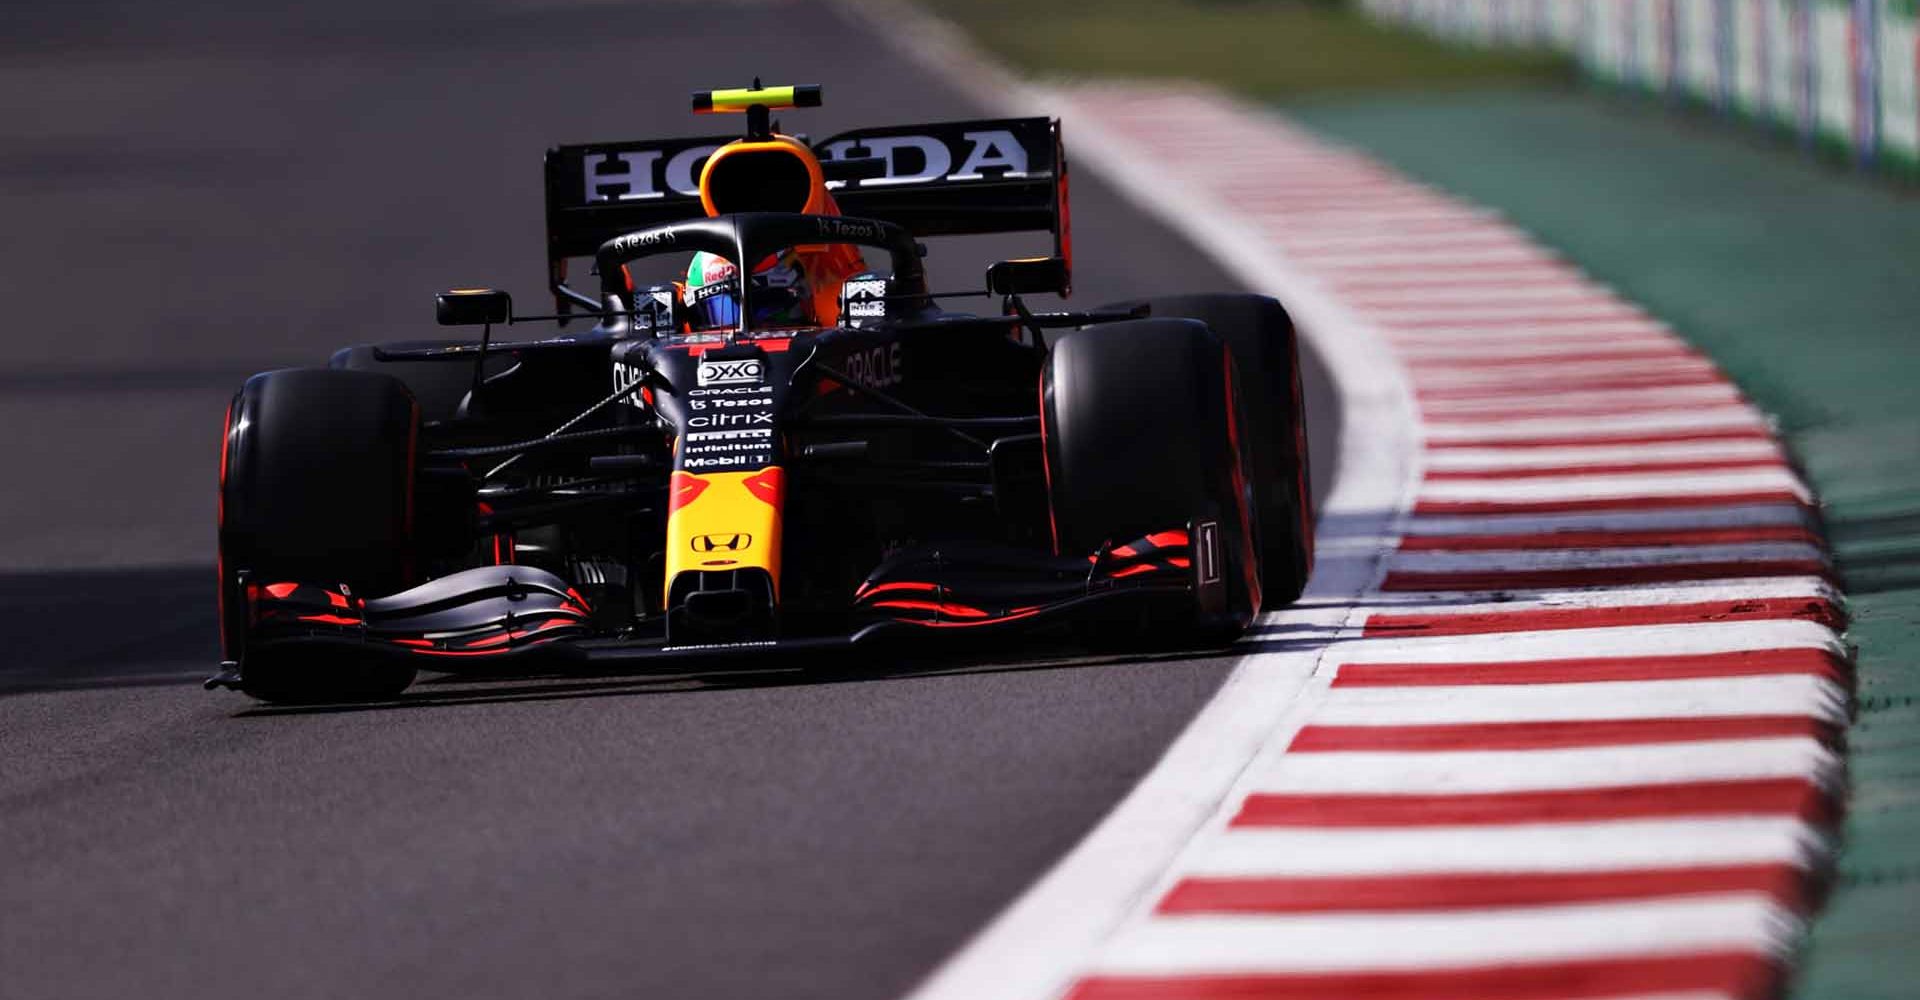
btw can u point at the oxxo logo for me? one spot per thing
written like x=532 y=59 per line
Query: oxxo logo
x=746 y=370
x=736 y=542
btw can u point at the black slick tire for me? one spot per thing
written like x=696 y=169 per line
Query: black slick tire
x=317 y=487
x=1141 y=434
x=1266 y=349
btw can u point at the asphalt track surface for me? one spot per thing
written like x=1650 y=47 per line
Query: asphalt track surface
x=192 y=194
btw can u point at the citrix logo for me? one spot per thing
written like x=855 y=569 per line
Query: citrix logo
x=729 y=419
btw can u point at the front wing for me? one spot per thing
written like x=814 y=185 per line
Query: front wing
x=494 y=616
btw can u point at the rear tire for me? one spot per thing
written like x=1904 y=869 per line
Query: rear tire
x=317 y=488
x=1266 y=349
x=1140 y=426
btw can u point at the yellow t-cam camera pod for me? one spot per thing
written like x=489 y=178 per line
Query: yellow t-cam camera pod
x=738 y=100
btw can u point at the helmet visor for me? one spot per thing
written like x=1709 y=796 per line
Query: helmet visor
x=715 y=306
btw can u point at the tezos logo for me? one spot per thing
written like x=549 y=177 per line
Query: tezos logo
x=746 y=370
x=833 y=227
x=651 y=238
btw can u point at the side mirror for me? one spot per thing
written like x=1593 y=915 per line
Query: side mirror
x=655 y=310
x=472 y=307
x=870 y=298
x=1030 y=275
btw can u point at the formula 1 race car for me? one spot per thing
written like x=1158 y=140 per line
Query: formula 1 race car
x=660 y=488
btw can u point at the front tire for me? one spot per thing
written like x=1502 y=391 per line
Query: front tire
x=1141 y=425
x=1266 y=349
x=317 y=487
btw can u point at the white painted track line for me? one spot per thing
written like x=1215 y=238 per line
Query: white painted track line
x=1322 y=942
x=1734 y=515
x=1595 y=847
x=1583 y=767
x=1783 y=696
x=1563 y=558
x=1558 y=336
x=1695 y=421
x=1627 y=487
x=1729 y=592
x=1701 y=451
x=1641 y=641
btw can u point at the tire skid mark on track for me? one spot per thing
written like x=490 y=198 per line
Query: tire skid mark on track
x=1575 y=733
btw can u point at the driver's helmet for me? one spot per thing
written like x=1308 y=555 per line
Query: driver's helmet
x=782 y=295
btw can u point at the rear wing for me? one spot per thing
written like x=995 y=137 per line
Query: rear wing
x=1004 y=175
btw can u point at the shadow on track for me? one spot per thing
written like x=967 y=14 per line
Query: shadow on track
x=143 y=627
x=453 y=690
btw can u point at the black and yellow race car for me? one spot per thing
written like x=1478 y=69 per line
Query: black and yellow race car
x=660 y=488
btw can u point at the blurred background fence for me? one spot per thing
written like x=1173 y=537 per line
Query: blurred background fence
x=1841 y=75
